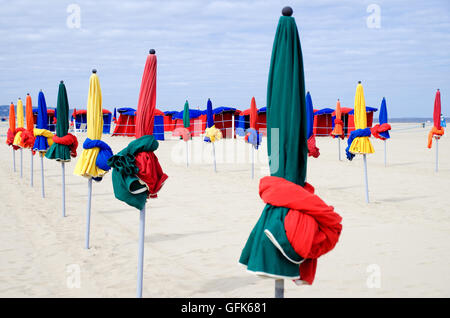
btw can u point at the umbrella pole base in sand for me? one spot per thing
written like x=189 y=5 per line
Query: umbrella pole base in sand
x=88 y=214
x=141 y=253
x=63 y=189
x=42 y=176
x=366 y=178
x=32 y=168
x=279 y=288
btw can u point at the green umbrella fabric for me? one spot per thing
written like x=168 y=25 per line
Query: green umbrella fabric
x=288 y=153
x=186 y=117
x=59 y=151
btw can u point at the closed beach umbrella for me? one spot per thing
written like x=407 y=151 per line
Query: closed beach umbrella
x=358 y=142
x=43 y=137
x=27 y=138
x=18 y=133
x=93 y=161
x=253 y=113
x=381 y=130
x=12 y=132
x=437 y=130
x=312 y=149
x=252 y=136
x=186 y=124
x=186 y=118
x=338 y=130
x=209 y=114
x=212 y=134
x=269 y=251
x=137 y=174
x=64 y=144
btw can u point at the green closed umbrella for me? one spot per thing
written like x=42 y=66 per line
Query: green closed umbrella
x=65 y=145
x=57 y=151
x=288 y=152
x=186 y=124
x=186 y=118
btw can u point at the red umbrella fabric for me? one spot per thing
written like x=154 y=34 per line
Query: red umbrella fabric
x=147 y=99
x=437 y=130
x=253 y=114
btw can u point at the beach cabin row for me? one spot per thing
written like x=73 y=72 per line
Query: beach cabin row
x=225 y=119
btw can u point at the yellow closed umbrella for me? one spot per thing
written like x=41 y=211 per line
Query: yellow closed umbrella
x=360 y=145
x=358 y=142
x=86 y=165
x=20 y=123
x=93 y=162
x=19 y=130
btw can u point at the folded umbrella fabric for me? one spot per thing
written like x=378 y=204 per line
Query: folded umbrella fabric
x=69 y=141
x=358 y=134
x=104 y=153
x=252 y=137
x=137 y=173
x=381 y=131
x=43 y=139
x=312 y=228
x=312 y=148
x=434 y=132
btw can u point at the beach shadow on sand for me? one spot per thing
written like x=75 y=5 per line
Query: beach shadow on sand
x=402 y=199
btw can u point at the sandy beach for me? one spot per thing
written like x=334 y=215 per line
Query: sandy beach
x=396 y=246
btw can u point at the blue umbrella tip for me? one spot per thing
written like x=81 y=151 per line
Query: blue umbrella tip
x=94 y=71
x=152 y=51
x=287 y=11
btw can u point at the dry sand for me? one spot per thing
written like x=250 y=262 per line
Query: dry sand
x=396 y=246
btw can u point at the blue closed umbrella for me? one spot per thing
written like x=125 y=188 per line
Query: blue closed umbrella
x=309 y=116
x=383 y=118
x=209 y=115
x=41 y=143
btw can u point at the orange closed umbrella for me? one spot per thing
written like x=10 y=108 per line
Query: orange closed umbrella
x=338 y=131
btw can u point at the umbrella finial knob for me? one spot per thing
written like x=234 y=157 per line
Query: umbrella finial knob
x=338 y=99
x=359 y=82
x=94 y=71
x=152 y=51
x=438 y=89
x=287 y=11
x=40 y=90
x=28 y=94
x=62 y=82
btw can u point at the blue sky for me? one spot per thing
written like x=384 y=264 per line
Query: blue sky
x=221 y=50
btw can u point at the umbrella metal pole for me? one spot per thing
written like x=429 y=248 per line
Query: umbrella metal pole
x=141 y=252
x=339 y=147
x=365 y=174
x=187 y=155
x=88 y=214
x=214 y=154
x=279 y=288
x=253 y=162
x=42 y=175
x=32 y=168
x=14 y=159
x=63 y=189
x=21 y=162
x=437 y=154
x=385 y=153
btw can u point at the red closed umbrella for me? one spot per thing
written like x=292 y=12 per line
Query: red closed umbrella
x=147 y=99
x=436 y=131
